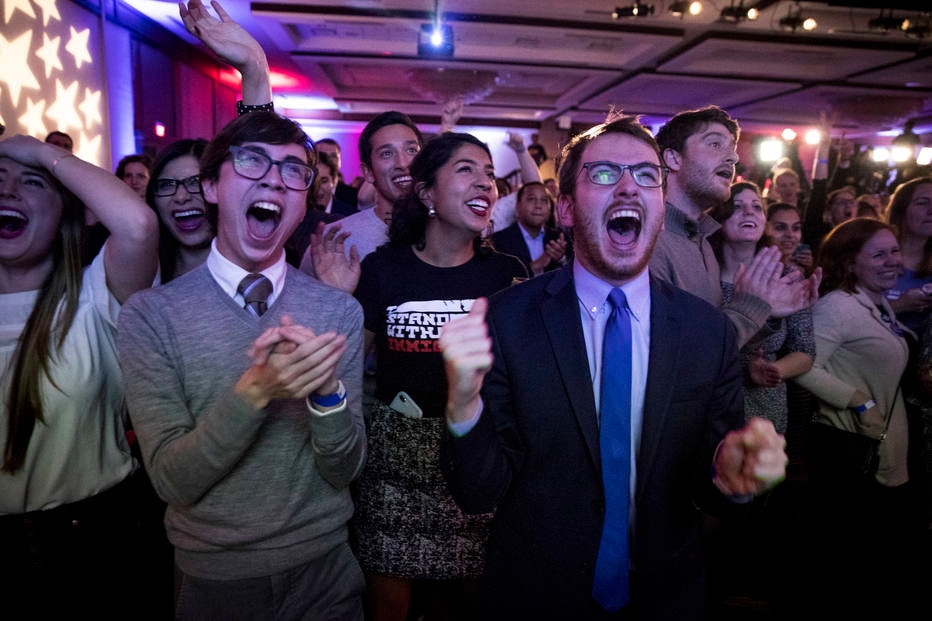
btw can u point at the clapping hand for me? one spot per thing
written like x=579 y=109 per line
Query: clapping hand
x=331 y=265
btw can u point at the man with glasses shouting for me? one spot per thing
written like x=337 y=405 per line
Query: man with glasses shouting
x=244 y=384
x=606 y=406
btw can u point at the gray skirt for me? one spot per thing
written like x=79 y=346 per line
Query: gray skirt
x=406 y=522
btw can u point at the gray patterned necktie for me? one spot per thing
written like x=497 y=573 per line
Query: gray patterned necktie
x=255 y=289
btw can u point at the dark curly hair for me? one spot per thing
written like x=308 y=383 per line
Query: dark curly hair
x=409 y=215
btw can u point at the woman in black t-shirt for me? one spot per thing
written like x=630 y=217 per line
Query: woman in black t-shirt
x=408 y=529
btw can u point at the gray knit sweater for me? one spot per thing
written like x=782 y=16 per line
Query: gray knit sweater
x=249 y=493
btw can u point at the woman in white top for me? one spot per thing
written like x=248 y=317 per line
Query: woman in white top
x=67 y=484
x=867 y=526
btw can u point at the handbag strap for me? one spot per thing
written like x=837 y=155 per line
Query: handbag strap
x=886 y=423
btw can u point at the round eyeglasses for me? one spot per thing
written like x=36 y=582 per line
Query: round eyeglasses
x=646 y=175
x=168 y=187
x=254 y=165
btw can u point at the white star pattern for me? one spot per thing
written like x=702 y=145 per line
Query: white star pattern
x=90 y=108
x=89 y=149
x=49 y=54
x=49 y=10
x=11 y=5
x=32 y=120
x=14 y=58
x=41 y=89
x=63 y=111
x=77 y=46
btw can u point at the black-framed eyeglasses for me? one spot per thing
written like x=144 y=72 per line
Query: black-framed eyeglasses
x=168 y=187
x=255 y=165
x=646 y=175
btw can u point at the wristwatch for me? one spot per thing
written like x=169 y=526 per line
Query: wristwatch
x=860 y=409
x=328 y=401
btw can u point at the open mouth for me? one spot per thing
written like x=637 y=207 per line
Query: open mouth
x=726 y=173
x=12 y=223
x=624 y=227
x=189 y=219
x=403 y=181
x=262 y=218
x=478 y=206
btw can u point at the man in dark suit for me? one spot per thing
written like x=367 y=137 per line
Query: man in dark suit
x=540 y=247
x=325 y=190
x=529 y=446
x=344 y=192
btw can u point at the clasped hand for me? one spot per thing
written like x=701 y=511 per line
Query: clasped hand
x=289 y=361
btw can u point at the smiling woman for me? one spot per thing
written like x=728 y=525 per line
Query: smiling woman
x=433 y=269
x=786 y=347
x=175 y=194
x=861 y=353
x=66 y=460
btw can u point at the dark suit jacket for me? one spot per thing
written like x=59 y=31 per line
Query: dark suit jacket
x=534 y=457
x=342 y=209
x=510 y=240
x=297 y=244
x=347 y=194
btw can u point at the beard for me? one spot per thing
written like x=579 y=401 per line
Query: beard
x=705 y=194
x=596 y=260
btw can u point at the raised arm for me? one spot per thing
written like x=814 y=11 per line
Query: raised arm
x=529 y=170
x=131 y=258
x=233 y=45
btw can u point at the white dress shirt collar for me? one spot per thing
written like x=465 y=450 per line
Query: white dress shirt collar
x=228 y=274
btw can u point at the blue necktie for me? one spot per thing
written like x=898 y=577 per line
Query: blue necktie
x=610 y=588
x=255 y=289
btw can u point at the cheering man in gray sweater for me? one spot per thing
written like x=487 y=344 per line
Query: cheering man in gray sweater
x=244 y=383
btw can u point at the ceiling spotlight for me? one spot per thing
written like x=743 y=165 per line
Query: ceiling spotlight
x=812 y=136
x=681 y=7
x=794 y=20
x=435 y=40
x=738 y=13
x=638 y=9
x=885 y=23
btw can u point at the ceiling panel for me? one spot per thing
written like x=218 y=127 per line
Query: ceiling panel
x=779 y=60
x=659 y=95
x=853 y=109
x=535 y=61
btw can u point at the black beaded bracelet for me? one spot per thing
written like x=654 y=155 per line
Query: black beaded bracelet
x=242 y=108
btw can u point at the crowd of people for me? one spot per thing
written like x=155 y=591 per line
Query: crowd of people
x=633 y=387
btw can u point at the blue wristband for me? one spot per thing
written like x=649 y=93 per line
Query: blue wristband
x=328 y=401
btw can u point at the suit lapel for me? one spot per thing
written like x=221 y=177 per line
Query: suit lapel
x=560 y=313
x=666 y=338
x=518 y=240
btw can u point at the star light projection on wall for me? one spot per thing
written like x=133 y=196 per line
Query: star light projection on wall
x=49 y=79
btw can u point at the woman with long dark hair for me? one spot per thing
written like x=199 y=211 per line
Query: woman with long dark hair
x=786 y=347
x=69 y=489
x=174 y=192
x=408 y=528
